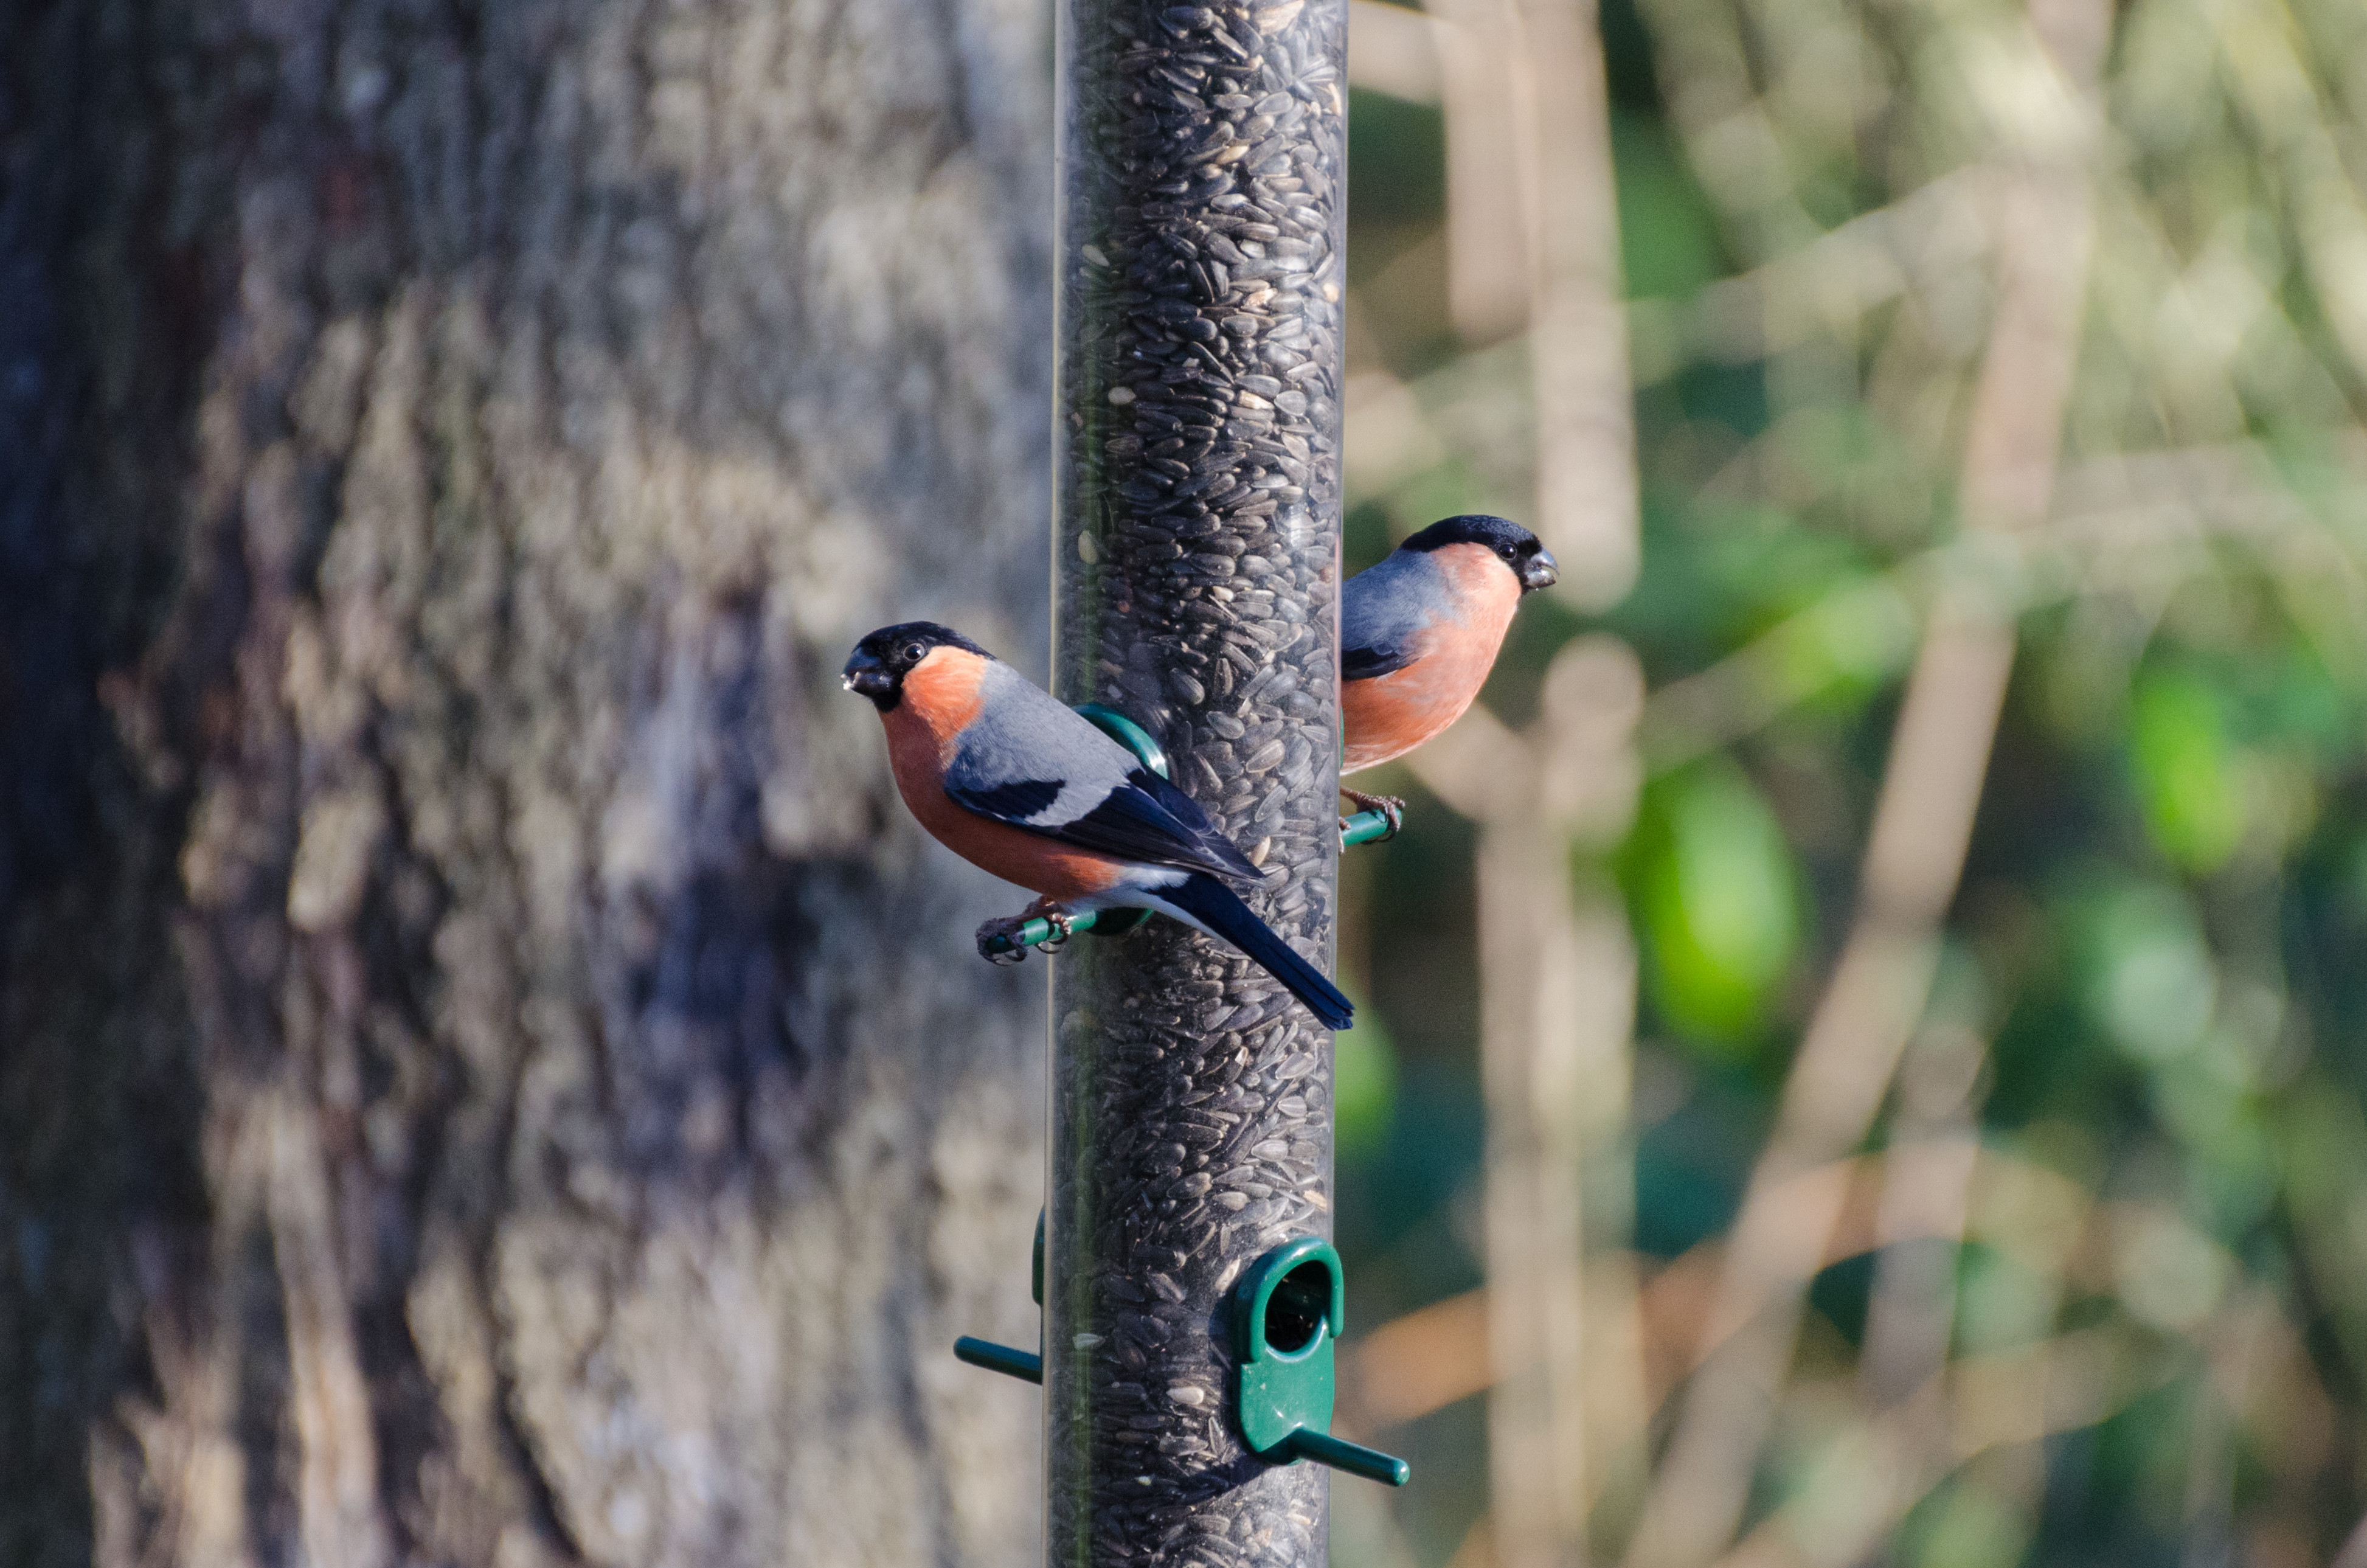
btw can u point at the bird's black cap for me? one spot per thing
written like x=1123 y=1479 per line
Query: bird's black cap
x=882 y=660
x=1515 y=545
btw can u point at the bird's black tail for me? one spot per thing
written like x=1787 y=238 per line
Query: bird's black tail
x=1214 y=905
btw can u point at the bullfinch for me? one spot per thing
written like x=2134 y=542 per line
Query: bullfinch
x=1419 y=633
x=1011 y=780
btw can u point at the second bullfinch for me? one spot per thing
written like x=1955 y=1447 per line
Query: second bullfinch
x=1420 y=632
x=1013 y=781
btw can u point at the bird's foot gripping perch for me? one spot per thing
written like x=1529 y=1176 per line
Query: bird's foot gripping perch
x=1063 y=924
x=1006 y=940
x=1391 y=807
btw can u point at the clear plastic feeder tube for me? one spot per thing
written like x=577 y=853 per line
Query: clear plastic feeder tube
x=1202 y=192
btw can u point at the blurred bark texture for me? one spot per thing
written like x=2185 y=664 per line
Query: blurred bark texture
x=487 y=1072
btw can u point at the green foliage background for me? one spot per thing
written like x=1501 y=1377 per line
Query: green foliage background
x=2158 y=942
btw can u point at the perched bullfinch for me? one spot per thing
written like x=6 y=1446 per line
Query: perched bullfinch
x=1011 y=780
x=1419 y=633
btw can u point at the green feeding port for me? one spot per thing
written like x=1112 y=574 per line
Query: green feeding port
x=1287 y=1313
x=1296 y=1312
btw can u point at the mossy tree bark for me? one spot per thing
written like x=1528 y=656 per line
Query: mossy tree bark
x=488 y=1074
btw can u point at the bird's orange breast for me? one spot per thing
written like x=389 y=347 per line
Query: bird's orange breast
x=1389 y=715
x=942 y=698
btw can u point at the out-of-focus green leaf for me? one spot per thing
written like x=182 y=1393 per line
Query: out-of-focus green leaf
x=2189 y=776
x=1768 y=566
x=2169 y=1274
x=1850 y=642
x=1717 y=898
x=2322 y=1148
x=2204 y=1098
x=1668 y=237
x=1970 y=1526
x=2000 y=1303
x=2150 y=981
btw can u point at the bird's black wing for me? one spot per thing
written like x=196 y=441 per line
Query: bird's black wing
x=1365 y=663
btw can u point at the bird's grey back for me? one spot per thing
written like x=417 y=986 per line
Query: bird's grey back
x=1022 y=733
x=1392 y=600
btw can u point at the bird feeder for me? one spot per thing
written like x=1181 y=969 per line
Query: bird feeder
x=1201 y=192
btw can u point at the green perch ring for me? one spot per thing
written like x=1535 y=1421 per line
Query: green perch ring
x=1287 y=1313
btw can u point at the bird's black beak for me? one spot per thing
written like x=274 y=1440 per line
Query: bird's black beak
x=1539 y=571
x=866 y=677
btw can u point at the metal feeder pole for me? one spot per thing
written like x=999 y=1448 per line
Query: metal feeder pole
x=1202 y=198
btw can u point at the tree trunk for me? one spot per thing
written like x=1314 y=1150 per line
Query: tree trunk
x=488 y=1074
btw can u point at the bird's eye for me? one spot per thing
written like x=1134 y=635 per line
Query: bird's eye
x=917 y=651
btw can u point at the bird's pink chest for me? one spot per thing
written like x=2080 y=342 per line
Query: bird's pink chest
x=917 y=756
x=1389 y=715
x=940 y=700
x=923 y=732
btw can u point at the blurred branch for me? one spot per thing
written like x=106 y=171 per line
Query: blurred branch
x=1863 y=1485
x=2228 y=245
x=1869 y=1479
x=1416 y=1364
x=1427 y=1359
x=2032 y=1215
x=1534 y=240
x=1866 y=627
x=2274 y=87
x=1533 y=244
x=1705 y=70
x=1489 y=96
x=2354 y=1549
x=1911 y=1310
x=1928 y=239
x=1557 y=981
x=2134 y=524
x=1984 y=1401
x=1556 y=970
x=1923 y=824
x=1393 y=49
x=1586 y=507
